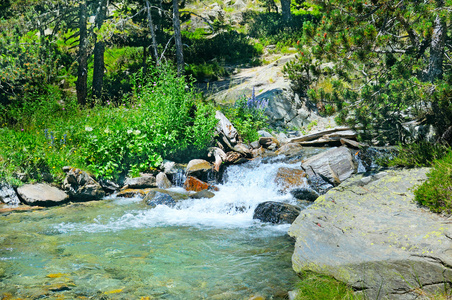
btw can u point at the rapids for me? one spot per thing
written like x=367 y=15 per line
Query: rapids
x=121 y=249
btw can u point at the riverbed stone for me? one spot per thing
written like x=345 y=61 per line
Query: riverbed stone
x=142 y=182
x=162 y=181
x=195 y=185
x=161 y=199
x=199 y=168
x=372 y=236
x=288 y=178
x=42 y=194
x=175 y=195
x=334 y=165
x=202 y=194
x=304 y=193
x=81 y=186
x=276 y=212
x=8 y=194
x=131 y=193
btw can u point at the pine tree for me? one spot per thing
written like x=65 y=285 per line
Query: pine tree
x=388 y=62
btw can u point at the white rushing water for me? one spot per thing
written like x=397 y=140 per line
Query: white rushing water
x=233 y=206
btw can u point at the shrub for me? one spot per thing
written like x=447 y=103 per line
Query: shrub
x=420 y=154
x=248 y=116
x=436 y=192
x=162 y=120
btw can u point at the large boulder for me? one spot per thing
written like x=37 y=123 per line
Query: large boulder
x=131 y=193
x=276 y=212
x=80 y=186
x=334 y=165
x=42 y=195
x=370 y=234
x=8 y=195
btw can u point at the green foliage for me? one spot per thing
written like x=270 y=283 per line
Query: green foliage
x=162 y=121
x=315 y=286
x=206 y=56
x=436 y=192
x=270 y=28
x=248 y=116
x=420 y=154
x=379 y=56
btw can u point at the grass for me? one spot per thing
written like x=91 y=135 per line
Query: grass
x=315 y=286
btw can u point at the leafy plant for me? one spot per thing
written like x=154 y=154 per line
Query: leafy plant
x=420 y=154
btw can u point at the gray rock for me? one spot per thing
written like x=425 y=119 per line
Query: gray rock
x=42 y=194
x=282 y=138
x=161 y=199
x=263 y=133
x=334 y=165
x=80 y=186
x=227 y=133
x=199 y=168
x=109 y=186
x=8 y=194
x=142 y=182
x=243 y=149
x=202 y=194
x=162 y=181
x=255 y=145
x=319 y=184
x=375 y=239
x=276 y=212
x=305 y=194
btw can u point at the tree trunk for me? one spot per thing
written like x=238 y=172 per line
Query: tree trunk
x=285 y=9
x=99 y=49
x=178 y=38
x=435 y=67
x=82 y=73
x=154 y=41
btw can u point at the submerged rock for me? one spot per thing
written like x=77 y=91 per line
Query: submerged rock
x=80 y=186
x=8 y=194
x=202 y=194
x=175 y=195
x=276 y=212
x=42 y=195
x=372 y=236
x=161 y=199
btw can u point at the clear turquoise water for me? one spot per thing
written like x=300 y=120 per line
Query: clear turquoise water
x=122 y=249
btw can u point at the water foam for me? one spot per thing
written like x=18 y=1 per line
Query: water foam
x=233 y=206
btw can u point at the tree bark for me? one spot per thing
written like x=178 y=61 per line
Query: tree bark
x=99 y=50
x=435 y=68
x=285 y=9
x=178 y=39
x=154 y=41
x=82 y=73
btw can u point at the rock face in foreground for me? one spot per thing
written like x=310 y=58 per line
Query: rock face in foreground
x=370 y=234
x=42 y=194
